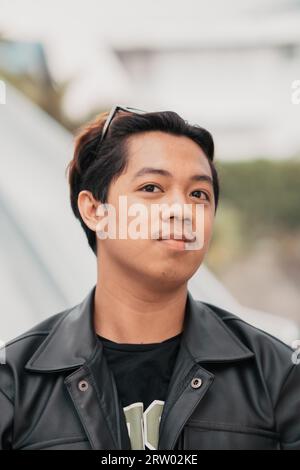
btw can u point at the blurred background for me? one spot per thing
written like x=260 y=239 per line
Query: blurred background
x=228 y=66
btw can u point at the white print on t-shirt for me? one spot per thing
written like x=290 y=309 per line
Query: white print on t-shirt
x=143 y=426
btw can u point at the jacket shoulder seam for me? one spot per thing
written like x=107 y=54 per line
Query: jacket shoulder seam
x=231 y=318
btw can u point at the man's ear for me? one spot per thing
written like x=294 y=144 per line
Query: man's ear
x=87 y=206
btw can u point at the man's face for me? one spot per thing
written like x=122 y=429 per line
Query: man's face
x=153 y=260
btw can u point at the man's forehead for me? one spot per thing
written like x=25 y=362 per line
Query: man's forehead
x=157 y=149
x=145 y=141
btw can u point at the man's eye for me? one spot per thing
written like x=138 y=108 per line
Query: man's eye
x=198 y=192
x=148 y=188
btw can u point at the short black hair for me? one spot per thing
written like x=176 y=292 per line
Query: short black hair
x=94 y=167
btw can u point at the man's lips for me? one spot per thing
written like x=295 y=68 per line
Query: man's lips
x=179 y=238
x=173 y=243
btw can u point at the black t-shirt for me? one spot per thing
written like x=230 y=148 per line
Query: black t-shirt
x=142 y=373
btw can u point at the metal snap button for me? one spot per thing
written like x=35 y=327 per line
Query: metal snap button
x=196 y=382
x=83 y=385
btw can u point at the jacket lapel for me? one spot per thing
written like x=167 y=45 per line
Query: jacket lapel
x=182 y=398
x=205 y=339
x=73 y=345
x=98 y=406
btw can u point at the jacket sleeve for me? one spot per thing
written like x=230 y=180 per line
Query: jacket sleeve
x=6 y=421
x=287 y=410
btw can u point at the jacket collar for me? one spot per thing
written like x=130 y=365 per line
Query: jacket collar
x=207 y=336
x=73 y=341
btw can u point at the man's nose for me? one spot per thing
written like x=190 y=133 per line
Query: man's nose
x=177 y=208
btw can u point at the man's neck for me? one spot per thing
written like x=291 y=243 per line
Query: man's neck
x=130 y=312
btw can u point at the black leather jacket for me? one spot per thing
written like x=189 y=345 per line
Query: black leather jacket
x=56 y=391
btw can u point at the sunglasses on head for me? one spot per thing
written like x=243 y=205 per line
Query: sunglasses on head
x=114 y=110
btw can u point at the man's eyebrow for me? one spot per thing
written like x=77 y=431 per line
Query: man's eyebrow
x=160 y=171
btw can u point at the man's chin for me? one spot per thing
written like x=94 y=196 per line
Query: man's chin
x=164 y=279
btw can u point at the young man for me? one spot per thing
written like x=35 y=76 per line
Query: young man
x=140 y=364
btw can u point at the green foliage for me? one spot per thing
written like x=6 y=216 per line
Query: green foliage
x=265 y=193
x=259 y=199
